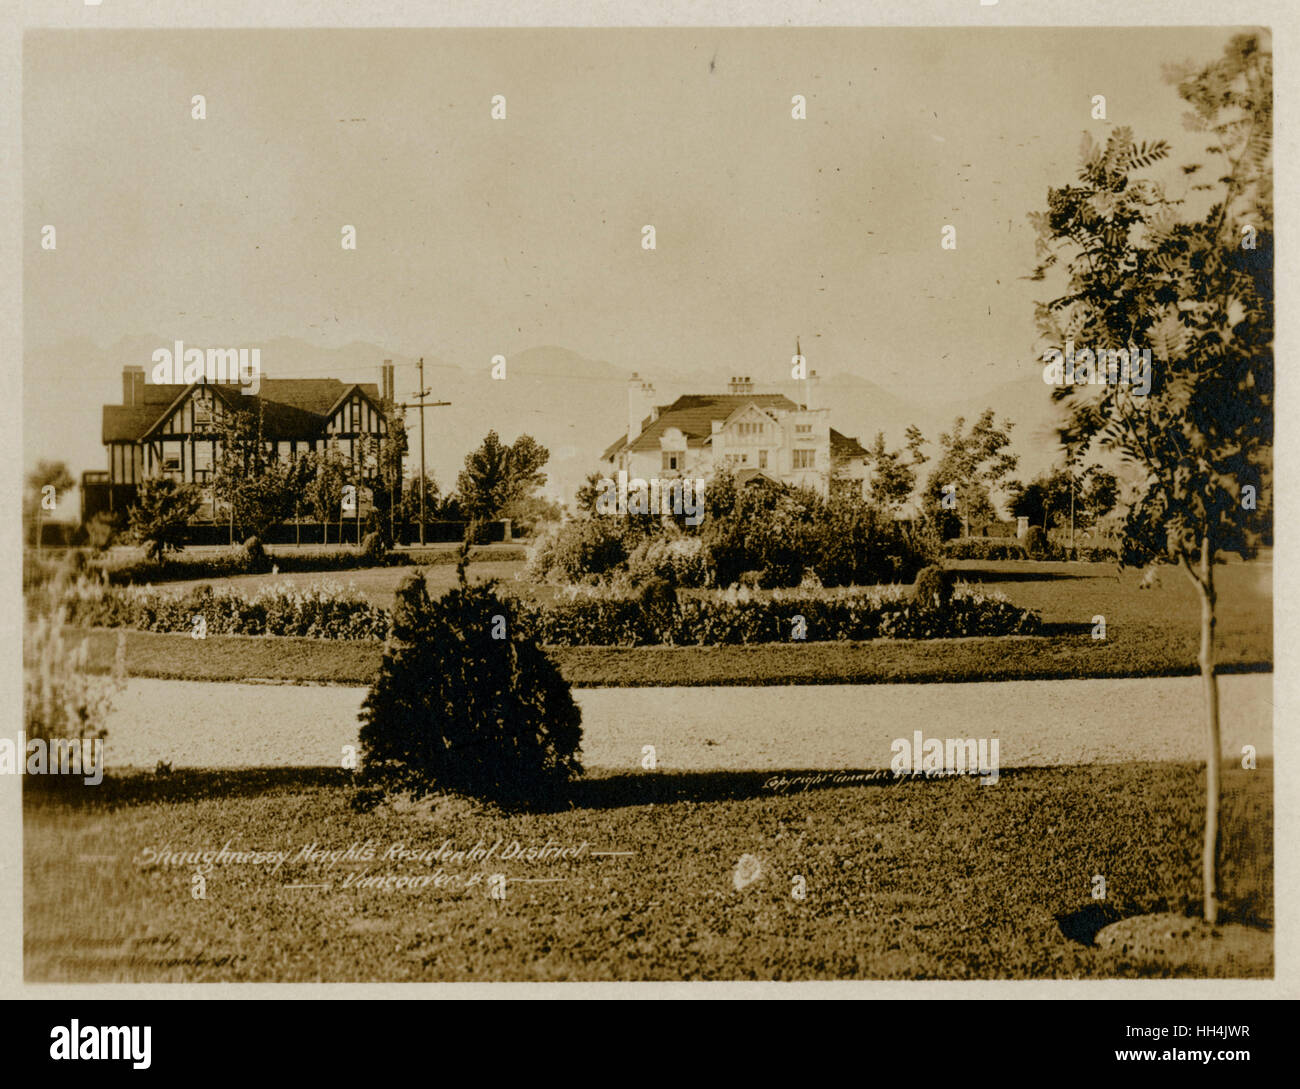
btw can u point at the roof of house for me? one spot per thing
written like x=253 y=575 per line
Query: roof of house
x=693 y=415
x=754 y=476
x=842 y=446
x=293 y=408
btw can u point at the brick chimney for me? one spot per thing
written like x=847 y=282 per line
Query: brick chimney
x=132 y=386
x=740 y=384
x=387 y=384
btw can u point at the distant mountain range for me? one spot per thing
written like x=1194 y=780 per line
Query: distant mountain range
x=573 y=405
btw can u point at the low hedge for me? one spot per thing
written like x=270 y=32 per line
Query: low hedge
x=323 y=611
x=718 y=621
x=728 y=618
x=237 y=561
x=992 y=548
x=984 y=548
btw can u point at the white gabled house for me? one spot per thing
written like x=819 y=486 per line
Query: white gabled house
x=755 y=434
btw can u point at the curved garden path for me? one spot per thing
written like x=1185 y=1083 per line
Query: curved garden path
x=1038 y=723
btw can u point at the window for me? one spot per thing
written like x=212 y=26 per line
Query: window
x=803 y=429
x=762 y=459
x=673 y=460
x=804 y=459
x=202 y=413
x=171 y=457
x=202 y=459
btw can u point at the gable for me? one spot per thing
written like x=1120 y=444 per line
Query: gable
x=198 y=409
x=749 y=422
x=355 y=413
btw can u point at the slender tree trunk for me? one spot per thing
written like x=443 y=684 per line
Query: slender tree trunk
x=1213 y=746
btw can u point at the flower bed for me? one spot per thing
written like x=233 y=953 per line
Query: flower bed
x=583 y=618
x=323 y=610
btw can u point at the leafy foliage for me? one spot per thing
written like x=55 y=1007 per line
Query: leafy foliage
x=322 y=611
x=47 y=473
x=1144 y=268
x=456 y=709
x=1046 y=500
x=102 y=529
x=1138 y=274
x=974 y=462
x=496 y=475
x=328 y=474
x=933 y=587
x=260 y=490
x=163 y=508
x=893 y=476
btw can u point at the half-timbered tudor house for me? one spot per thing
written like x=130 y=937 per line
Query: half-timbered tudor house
x=174 y=430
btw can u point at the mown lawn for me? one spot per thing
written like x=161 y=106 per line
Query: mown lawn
x=1149 y=651
x=1072 y=593
x=942 y=879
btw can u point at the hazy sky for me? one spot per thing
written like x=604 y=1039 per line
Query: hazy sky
x=478 y=236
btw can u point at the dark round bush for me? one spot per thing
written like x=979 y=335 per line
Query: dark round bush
x=658 y=600
x=1036 y=543
x=256 y=554
x=933 y=587
x=372 y=547
x=465 y=703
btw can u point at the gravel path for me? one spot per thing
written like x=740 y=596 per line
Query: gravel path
x=199 y=724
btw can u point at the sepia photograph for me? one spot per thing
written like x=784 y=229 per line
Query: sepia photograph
x=645 y=504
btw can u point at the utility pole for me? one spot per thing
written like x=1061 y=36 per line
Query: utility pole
x=420 y=395
x=1071 y=506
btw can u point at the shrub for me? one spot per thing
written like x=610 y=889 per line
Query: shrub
x=933 y=588
x=984 y=548
x=580 y=549
x=969 y=612
x=583 y=617
x=679 y=561
x=658 y=601
x=61 y=700
x=255 y=555
x=160 y=518
x=856 y=544
x=322 y=610
x=1037 y=545
x=740 y=616
x=373 y=549
x=752 y=580
x=758 y=527
x=102 y=529
x=456 y=709
x=1090 y=553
